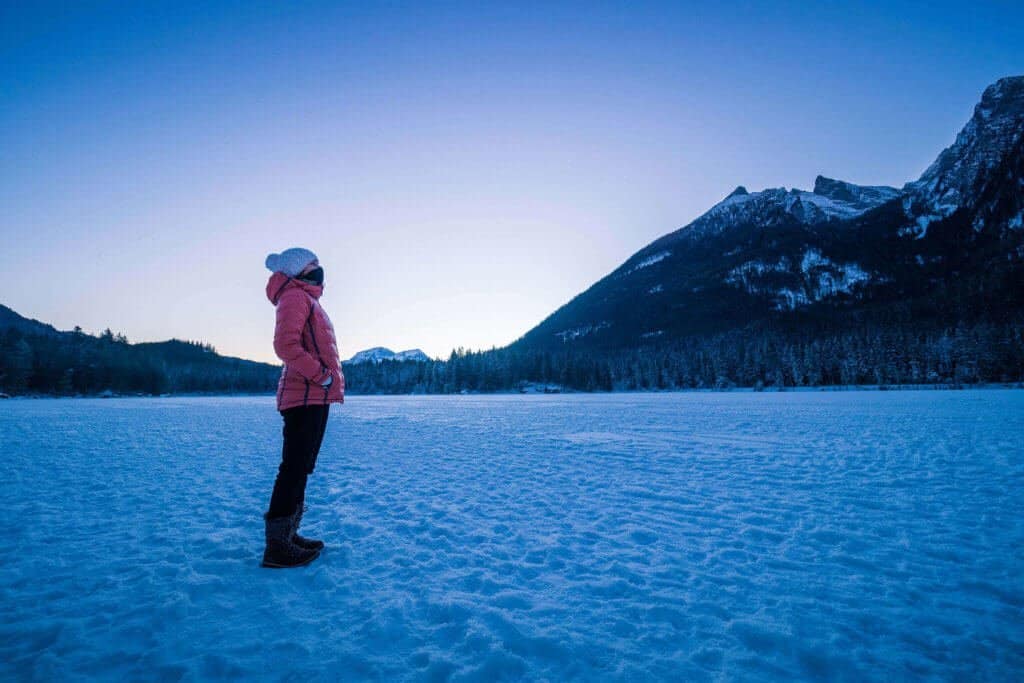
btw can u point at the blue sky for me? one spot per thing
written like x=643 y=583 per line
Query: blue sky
x=462 y=169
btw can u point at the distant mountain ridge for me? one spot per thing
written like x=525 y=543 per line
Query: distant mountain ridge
x=947 y=247
x=9 y=319
x=379 y=353
x=37 y=358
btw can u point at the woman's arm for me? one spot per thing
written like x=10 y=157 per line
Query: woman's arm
x=292 y=312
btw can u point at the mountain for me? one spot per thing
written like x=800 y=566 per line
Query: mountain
x=378 y=354
x=11 y=320
x=37 y=358
x=412 y=355
x=960 y=175
x=945 y=249
x=843 y=284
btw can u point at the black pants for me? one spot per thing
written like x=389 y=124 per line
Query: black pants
x=304 y=428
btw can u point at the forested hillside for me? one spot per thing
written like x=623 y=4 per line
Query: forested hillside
x=37 y=359
x=770 y=358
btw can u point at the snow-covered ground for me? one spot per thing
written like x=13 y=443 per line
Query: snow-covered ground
x=839 y=535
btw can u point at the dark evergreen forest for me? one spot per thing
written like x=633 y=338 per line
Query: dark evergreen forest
x=959 y=356
x=75 y=363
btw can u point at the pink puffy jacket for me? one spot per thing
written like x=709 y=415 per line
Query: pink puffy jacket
x=304 y=339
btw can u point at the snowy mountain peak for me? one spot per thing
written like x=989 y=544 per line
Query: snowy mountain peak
x=374 y=355
x=412 y=354
x=957 y=174
x=831 y=200
x=379 y=353
x=755 y=257
x=862 y=197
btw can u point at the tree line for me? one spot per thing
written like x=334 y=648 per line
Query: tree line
x=80 y=364
x=779 y=359
x=76 y=363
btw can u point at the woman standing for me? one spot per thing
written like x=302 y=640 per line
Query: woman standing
x=310 y=381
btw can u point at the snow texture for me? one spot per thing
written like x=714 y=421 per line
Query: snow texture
x=696 y=536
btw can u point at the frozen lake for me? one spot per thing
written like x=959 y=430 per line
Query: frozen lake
x=838 y=535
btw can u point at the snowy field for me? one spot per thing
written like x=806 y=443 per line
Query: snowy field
x=695 y=536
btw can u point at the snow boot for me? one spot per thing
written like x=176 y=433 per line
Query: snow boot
x=302 y=541
x=281 y=552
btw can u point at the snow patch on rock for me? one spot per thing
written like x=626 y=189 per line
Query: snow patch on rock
x=824 y=278
x=740 y=275
x=1017 y=222
x=816 y=279
x=787 y=299
x=582 y=331
x=953 y=179
x=650 y=260
x=919 y=228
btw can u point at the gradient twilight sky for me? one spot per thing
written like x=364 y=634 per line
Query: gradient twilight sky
x=462 y=169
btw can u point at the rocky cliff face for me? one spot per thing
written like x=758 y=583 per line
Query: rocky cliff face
x=997 y=124
x=958 y=176
x=831 y=200
x=939 y=247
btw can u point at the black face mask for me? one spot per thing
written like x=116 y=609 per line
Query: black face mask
x=315 y=276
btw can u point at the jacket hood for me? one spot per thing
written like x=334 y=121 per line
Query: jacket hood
x=279 y=283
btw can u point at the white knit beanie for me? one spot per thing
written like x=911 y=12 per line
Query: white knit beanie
x=290 y=261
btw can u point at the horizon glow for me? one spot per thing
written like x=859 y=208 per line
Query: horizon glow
x=460 y=171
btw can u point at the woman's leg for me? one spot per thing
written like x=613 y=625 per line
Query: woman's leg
x=302 y=435
x=321 y=429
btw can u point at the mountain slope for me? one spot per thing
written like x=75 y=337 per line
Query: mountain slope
x=959 y=175
x=9 y=319
x=942 y=249
x=37 y=358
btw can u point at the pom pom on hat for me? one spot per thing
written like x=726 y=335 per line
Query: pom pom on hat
x=290 y=261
